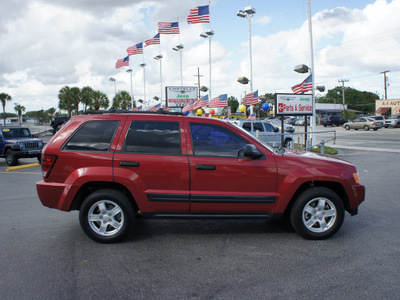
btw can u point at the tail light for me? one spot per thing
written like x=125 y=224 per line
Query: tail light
x=48 y=162
x=373 y=124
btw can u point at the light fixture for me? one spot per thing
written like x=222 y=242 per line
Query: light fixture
x=180 y=46
x=243 y=80
x=249 y=10
x=209 y=32
x=241 y=14
x=301 y=69
x=204 y=89
x=321 y=88
x=112 y=79
x=203 y=35
x=142 y=65
x=158 y=57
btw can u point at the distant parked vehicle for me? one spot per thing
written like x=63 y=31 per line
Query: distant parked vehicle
x=277 y=123
x=393 y=121
x=58 y=122
x=363 y=123
x=292 y=121
x=300 y=122
x=333 y=121
x=378 y=119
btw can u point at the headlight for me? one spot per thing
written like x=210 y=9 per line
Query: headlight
x=40 y=144
x=21 y=145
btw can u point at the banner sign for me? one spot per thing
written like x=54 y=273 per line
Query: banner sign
x=179 y=96
x=293 y=104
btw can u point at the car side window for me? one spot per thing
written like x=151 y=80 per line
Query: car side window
x=258 y=126
x=269 y=127
x=247 y=126
x=153 y=137
x=214 y=140
x=92 y=136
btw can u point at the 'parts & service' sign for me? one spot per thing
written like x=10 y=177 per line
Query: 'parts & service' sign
x=293 y=104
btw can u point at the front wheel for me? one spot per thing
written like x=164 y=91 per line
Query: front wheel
x=107 y=216
x=11 y=160
x=317 y=214
x=347 y=127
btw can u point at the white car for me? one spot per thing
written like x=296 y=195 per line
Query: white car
x=393 y=121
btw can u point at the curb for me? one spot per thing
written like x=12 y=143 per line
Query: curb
x=22 y=167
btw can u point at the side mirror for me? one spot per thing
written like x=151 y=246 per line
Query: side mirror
x=276 y=129
x=250 y=151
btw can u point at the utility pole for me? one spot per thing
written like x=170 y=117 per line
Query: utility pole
x=344 y=98
x=198 y=79
x=385 y=82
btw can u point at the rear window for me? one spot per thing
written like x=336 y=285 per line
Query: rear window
x=92 y=136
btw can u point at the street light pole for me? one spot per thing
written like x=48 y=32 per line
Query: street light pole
x=312 y=71
x=115 y=84
x=159 y=57
x=130 y=73
x=143 y=65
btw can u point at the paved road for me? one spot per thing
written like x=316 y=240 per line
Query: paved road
x=45 y=255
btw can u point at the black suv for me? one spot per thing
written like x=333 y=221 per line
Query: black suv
x=58 y=122
x=18 y=142
x=333 y=121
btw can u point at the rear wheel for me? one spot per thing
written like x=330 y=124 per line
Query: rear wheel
x=317 y=214
x=107 y=216
x=11 y=160
x=366 y=128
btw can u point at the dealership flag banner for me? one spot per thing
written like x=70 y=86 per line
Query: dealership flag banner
x=200 y=14
x=135 y=49
x=220 y=101
x=252 y=117
x=202 y=102
x=188 y=107
x=122 y=62
x=168 y=27
x=305 y=86
x=251 y=99
x=153 y=41
x=155 y=107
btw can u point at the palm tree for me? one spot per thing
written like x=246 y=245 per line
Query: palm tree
x=122 y=100
x=86 y=96
x=4 y=98
x=19 y=109
x=66 y=101
x=99 y=100
x=75 y=98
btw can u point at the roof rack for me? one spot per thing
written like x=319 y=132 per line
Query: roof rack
x=121 y=111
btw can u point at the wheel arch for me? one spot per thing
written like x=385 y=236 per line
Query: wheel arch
x=334 y=186
x=91 y=187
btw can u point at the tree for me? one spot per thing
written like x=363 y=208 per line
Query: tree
x=19 y=109
x=99 y=100
x=233 y=103
x=122 y=100
x=75 y=98
x=86 y=97
x=66 y=100
x=4 y=98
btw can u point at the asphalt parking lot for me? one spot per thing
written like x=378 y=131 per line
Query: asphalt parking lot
x=44 y=254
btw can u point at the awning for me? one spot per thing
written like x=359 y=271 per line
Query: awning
x=382 y=110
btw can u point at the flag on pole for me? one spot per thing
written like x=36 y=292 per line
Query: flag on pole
x=200 y=14
x=252 y=117
x=155 y=107
x=168 y=27
x=153 y=41
x=139 y=108
x=202 y=102
x=188 y=107
x=305 y=86
x=135 y=49
x=220 y=101
x=251 y=98
x=122 y=62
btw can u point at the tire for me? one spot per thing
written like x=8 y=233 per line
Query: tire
x=39 y=158
x=11 y=160
x=107 y=216
x=347 y=127
x=375 y=129
x=317 y=214
x=398 y=125
x=286 y=144
x=366 y=128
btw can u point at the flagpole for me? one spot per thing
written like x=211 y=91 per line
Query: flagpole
x=313 y=119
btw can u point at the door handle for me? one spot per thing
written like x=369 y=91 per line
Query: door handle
x=205 y=167
x=129 y=164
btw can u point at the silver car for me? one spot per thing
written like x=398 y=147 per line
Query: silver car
x=266 y=132
x=363 y=123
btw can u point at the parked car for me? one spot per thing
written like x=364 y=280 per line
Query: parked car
x=266 y=132
x=18 y=142
x=365 y=123
x=292 y=121
x=393 y=121
x=58 y=122
x=378 y=119
x=333 y=121
x=300 y=122
x=115 y=166
x=278 y=123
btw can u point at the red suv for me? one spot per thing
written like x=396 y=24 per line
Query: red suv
x=113 y=167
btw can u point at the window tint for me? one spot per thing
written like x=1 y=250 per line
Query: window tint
x=258 y=126
x=247 y=126
x=269 y=127
x=213 y=140
x=153 y=137
x=93 y=136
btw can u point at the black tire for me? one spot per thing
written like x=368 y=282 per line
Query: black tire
x=375 y=129
x=398 y=125
x=314 y=209
x=39 y=158
x=286 y=144
x=11 y=160
x=107 y=216
x=366 y=128
x=347 y=127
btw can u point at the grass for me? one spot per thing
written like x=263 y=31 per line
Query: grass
x=328 y=150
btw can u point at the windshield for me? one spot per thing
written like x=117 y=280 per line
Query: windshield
x=16 y=133
x=252 y=136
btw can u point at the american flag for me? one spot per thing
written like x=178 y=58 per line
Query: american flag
x=166 y=108
x=168 y=27
x=202 y=102
x=251 y=99
x=139 y=108
x=252 y=117
x=153 y=41
x=135 y=49
x=155 y=107
x=220 y=101
x=188 y=107
x=305 y=86
x=122 y=62
x=200 y=14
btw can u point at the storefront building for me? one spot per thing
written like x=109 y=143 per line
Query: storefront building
x=387 y=108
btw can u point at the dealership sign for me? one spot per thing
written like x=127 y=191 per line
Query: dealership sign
x=293 y=104
x=179 y=96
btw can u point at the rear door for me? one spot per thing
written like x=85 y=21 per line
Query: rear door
x=151 y=161
x=222 y=181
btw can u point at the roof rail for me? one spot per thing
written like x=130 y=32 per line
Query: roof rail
x=121 y=111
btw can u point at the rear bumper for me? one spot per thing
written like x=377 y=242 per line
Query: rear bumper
x=55 y=195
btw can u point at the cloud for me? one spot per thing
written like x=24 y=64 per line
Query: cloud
x=264 y=20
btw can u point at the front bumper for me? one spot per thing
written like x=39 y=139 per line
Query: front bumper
x=27 y=153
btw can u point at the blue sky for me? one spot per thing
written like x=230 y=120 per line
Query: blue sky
x=48 y=44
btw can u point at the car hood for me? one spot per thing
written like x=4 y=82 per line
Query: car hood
x=317 y=158
x=15 y=140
